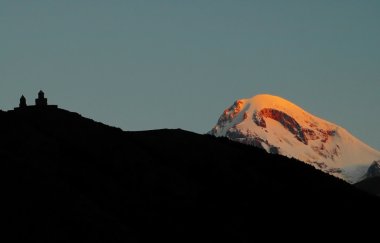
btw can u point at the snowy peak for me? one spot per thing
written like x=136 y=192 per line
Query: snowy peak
x=279 y=126
x=269 y=106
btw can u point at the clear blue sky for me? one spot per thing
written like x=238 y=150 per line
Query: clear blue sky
x=178 y=64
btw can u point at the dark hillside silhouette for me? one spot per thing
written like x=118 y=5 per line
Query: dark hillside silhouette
x=371 y=185
x=70 y=178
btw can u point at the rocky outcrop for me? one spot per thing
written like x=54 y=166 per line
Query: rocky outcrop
x=373 y=170
x=229 y=115
x=287 y=121
x=252 y=139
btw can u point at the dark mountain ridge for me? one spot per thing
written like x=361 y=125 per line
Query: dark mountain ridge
x=371 y=185
x=68 y=177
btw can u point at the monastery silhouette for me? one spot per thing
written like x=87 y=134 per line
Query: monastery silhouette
x=40 y=103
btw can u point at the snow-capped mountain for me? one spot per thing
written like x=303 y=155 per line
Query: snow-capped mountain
x=281 y=127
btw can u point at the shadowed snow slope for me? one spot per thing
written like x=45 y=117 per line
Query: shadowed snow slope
x=279 y=126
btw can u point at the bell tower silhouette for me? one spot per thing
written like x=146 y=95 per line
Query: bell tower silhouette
x=41 y=101
x=22 y=102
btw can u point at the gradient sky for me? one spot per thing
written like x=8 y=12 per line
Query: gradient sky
x=178 y=64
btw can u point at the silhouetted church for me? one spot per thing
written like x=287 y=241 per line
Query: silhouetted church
x=22 y=102
x=41 y=102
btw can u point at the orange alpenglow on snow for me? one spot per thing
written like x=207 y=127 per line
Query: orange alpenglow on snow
x=279 y=126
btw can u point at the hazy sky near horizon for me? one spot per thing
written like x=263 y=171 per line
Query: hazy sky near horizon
x=154 y=64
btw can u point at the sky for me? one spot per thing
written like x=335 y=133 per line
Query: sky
x=142 y=65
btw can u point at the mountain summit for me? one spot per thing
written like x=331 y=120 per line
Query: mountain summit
x=281 y=127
